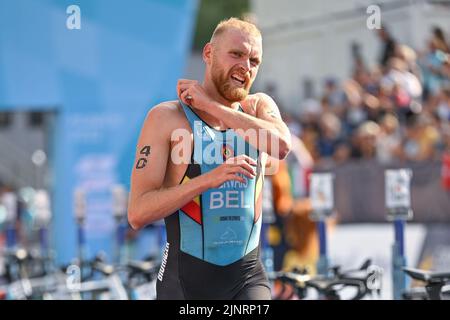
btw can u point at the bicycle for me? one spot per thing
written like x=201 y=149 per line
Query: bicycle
x=437 y=285
x=365 y=280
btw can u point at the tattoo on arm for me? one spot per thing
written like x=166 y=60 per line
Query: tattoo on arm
x=142 y=161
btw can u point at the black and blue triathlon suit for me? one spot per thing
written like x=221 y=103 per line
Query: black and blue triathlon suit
x=212 y=249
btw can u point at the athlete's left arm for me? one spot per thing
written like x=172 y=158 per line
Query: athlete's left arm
x=277 y=141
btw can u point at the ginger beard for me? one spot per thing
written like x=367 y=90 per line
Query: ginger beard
x=226 y=86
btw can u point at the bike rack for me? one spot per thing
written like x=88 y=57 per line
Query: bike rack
x=398 y=204
x=321 y=192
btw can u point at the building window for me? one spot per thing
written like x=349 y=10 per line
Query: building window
x=36 y=119
x=6 y=119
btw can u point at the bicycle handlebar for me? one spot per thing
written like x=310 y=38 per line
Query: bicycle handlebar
x=365 y=279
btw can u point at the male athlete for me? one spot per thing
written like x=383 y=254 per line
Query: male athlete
x=207 y=182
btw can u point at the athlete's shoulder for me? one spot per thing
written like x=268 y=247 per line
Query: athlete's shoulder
x=164 y=115
x=170 y=110
x=166 y=108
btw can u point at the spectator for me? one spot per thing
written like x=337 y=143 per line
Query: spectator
x=342 y=152
x=388 y=42
x=365 y=140
x=333 y=97
x=398 y=74
x=439 y=35
x=311 y=110
x=440 y=106
x=330 y=134
x=397 y=110
x=389 y=139
x=310 y=137
x=421 y=138
x=355 y=113
x=409 y=57
x=433 y=66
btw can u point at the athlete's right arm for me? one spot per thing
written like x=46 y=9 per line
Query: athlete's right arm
x=149 y=201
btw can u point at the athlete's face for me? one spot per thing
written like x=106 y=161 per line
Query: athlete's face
x=234 y=63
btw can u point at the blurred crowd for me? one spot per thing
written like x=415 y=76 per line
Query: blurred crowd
x=398 y=110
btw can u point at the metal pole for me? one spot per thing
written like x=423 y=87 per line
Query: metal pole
x=322 y=200
x=398 y=260
x=323 y=263
x=398 y=204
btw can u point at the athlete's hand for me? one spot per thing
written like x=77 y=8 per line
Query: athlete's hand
x=232 y=169
x=192 y=93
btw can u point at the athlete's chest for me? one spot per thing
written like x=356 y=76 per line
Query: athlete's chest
x=193 y=141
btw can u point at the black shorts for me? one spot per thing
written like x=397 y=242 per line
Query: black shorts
x=183 y=276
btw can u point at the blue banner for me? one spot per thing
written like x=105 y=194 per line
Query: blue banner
x=101 y=65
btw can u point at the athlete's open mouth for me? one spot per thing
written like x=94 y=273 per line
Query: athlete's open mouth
x=238 y=79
